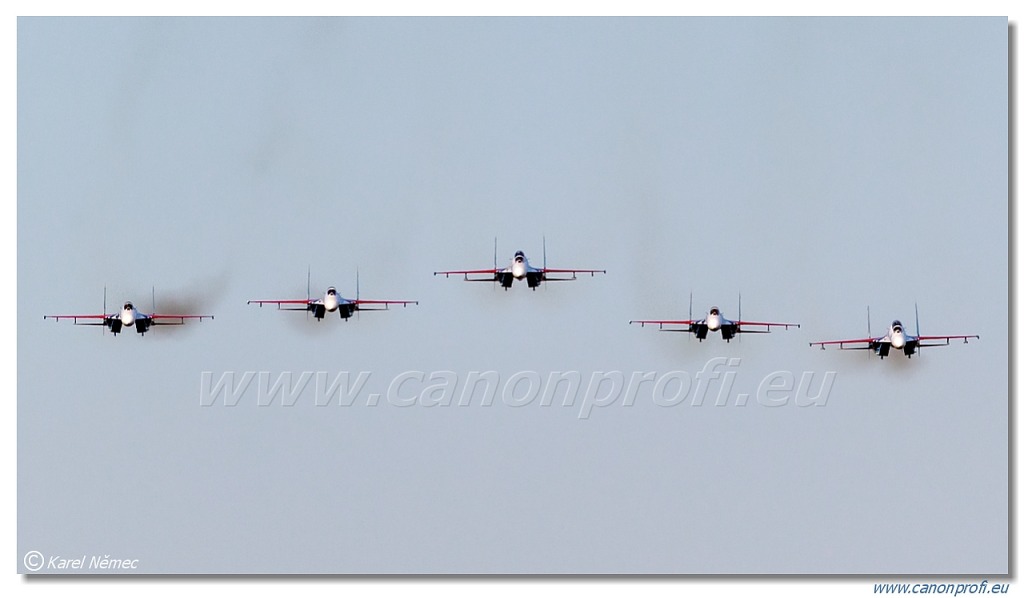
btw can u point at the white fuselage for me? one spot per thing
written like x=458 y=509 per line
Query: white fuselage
x=128 y=316
x=897 y=338
x=519 y=267
x=713 y=322
x=331 y=300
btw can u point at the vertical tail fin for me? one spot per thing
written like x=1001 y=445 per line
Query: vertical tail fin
x=308 y=268
x=869 y=329
x=105 y=314
x=153 y=299
x=739 y=312
x=917 y=325
x=544 y=256
x=691 y=315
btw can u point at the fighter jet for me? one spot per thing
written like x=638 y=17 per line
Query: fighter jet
x=331 y=302
x=128 y=317
x=714 y=321
x=519 y=268
x=896 y=338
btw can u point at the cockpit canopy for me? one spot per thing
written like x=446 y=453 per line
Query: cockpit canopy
x=128 y=305
x=714 y=311
x=331 y=291
x=520 y=256
x=897 y=326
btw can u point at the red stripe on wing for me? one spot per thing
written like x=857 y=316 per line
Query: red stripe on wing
x=848 y=341
x=486 y=271
x=749 y=323
x=668 y=322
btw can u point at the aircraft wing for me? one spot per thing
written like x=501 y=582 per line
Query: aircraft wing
x=167 y=319
x=376 y=304
x=288 y=304
x=767 y=325
x=492 y=274
x=662 y=323
x=546 y=272
x=852 y=341
x=963 y=337
x=77 y=317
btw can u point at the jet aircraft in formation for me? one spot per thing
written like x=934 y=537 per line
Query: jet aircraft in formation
x=331 y=302
x=128 y=317
x=714 y=321
x=519 y=268
x=896 y=337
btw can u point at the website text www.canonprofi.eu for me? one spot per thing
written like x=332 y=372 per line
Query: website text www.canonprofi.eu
x=950 y=588
x=717 y=384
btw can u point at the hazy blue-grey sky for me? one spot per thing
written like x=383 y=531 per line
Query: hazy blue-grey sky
x=815 y=165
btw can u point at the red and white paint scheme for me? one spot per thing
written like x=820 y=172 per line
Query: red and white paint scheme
x=332 y=302
x=128 y=317
x=896 y=338
x=519 y=268
x=714 y=321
